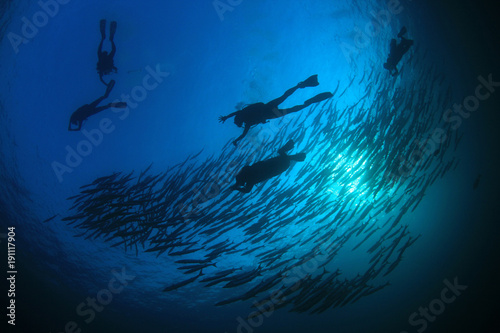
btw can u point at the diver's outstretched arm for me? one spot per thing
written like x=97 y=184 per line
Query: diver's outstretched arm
x=75 y=129
x=245 y=189
x=245 y=131
x=222 y=119
x=113 y=49
x=234 y=188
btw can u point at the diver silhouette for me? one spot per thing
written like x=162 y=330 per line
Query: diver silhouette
x=397 y=51
x=87 y=110
x=263 y=170
x=105 y=63
x=260 y=113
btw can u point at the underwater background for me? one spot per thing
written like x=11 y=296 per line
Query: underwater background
x=389 y=225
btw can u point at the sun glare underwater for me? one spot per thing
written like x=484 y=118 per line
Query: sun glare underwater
x=248 y=166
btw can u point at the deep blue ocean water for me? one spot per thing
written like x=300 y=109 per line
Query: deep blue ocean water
x=216 y=56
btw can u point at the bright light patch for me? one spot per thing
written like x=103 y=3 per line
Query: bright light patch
x=348 y=176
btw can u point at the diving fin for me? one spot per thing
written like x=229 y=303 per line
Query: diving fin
x=112 y=30
x=300 y=157
x=102 y=27
x=318 y=98
x=402 y=32
x=311 y=81
x=288 y=146
x=110 y=86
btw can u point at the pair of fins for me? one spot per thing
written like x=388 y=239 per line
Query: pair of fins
x=312 y=81
x=112 y=29
x=289 y=146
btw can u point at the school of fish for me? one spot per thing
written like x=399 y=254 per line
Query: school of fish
x=368 y=165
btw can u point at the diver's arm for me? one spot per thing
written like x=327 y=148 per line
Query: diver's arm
x=245 y=131
x=113 y=50
x=235 y=188
x=75 y=129
x=241 y=189
x=247 y=188
x=224 y=118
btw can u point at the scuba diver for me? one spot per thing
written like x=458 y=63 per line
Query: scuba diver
x=105 y=63
x=263 y=170
x=260 y=113
x=87 y=110
x=397 y=51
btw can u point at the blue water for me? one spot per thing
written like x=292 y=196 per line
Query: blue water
x=212 y=62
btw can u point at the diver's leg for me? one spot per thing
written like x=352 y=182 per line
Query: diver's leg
x=283 y=112
x=288 y=146
x=406 y=44
x=119 y=105
x=316 y=99
x=109 y=87
x=102 y=80
x=311 y=81
x=97 y=110
x=402 y=48
x=275 y=102
x=276 y=113
x=100 y=109
x=95 y=103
